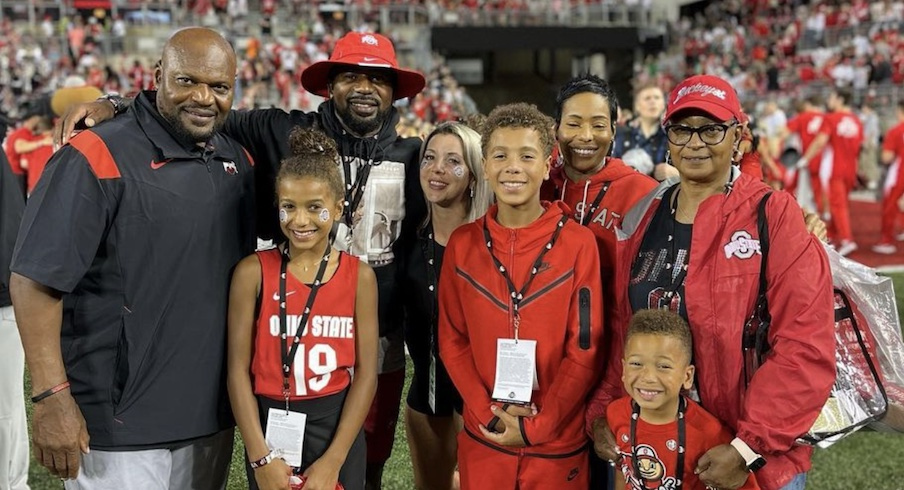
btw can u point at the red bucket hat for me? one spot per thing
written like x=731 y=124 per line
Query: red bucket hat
x=706 y=93
x=366 y=50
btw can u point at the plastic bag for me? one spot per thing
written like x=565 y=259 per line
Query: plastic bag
x=869 y=356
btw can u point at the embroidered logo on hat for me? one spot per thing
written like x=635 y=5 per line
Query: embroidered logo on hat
x=368 y=39
x=701 y=89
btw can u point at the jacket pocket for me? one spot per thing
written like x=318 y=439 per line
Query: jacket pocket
x=120 y=366
x=584 y=318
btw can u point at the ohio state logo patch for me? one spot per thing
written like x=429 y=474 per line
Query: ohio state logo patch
x=742 y=245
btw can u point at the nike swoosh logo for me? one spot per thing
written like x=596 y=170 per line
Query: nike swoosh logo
x=366 y=58
x=157 y=165
x=276 y=295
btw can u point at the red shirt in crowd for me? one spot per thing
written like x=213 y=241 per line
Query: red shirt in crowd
x=845 y=132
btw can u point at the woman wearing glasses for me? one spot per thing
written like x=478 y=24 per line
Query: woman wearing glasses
x=692 y=246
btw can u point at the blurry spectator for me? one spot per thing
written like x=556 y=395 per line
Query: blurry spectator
x=868 y=167
x=30 y=146
x=771 y=124
x=645 y=131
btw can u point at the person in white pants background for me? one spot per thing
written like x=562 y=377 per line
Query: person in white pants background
x=13 y=426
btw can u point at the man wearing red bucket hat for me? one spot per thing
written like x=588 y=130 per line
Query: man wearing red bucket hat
x=361 y=80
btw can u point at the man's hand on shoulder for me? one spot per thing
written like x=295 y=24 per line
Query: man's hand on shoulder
x=80 y=117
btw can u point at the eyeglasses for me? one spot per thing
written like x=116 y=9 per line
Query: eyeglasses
x=711 y=134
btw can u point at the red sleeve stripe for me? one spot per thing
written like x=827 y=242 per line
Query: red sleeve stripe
x=250 y=160
x=98 y=155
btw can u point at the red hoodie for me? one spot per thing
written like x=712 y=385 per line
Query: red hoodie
x=626 y=187
x=562 y=311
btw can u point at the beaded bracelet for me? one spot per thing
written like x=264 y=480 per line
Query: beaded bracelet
x=44 y=394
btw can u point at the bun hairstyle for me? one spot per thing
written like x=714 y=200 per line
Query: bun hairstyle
x=314 y=156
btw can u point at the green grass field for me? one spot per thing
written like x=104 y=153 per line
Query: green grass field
x=866 y=460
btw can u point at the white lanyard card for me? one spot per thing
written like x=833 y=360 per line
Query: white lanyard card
x=516 y=370
x=285 y=432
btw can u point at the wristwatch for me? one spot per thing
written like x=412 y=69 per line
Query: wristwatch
x=119 y=104
x=752 y=460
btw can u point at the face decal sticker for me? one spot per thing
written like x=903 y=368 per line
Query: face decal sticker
x=324 y=215
x=283 y=216
x=458 y=171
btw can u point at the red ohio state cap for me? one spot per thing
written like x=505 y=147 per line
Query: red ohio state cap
x=706 y=93
x=363 y=50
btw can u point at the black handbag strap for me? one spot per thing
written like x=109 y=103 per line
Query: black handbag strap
x=762 y=227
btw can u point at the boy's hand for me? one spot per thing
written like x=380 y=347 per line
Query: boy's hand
x=510 y=435
x=515 y=411
x=722 y=467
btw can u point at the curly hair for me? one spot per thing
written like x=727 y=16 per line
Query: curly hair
x=664 y=323
x=517 y=116
x=314 y=155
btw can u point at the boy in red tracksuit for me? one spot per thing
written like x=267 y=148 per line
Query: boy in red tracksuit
x=523 y=278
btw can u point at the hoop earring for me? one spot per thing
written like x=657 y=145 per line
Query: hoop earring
x=737 y=156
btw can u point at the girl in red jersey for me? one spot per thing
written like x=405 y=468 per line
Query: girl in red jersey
x=303 y=336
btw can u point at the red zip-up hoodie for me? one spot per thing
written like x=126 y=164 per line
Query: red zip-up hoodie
x=562 y=311
x=626 y=187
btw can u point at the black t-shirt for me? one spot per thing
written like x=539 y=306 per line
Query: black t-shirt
x=663 y=254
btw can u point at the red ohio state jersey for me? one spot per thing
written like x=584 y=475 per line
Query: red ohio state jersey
x=326 y=351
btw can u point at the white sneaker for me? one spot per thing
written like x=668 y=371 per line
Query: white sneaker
x=885 y=249
x=846 y=247
x=900 y=237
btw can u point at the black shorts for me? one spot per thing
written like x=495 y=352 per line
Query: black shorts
x=320 y=428
x=447 y=397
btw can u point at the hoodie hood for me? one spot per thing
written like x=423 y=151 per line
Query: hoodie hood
x=371 y=149
x=735 y=195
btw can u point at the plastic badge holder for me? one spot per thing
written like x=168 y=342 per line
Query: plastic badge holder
x=869 y=356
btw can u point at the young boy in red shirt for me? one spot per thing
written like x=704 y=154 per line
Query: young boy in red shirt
x=521 y=319
x=661 y=434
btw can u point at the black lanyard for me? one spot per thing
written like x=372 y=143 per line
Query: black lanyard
x=288 y=356
x=354 y=191
x=679 y=470
x=428 y=248
x=587 y=214
x=518 y=296
x=677 y=281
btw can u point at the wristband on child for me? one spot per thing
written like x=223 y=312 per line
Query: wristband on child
x=273 y=454
x=52 y=391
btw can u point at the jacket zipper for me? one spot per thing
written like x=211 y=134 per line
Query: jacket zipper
x=513 y=321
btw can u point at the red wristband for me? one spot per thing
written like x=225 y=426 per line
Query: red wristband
x=44 y=394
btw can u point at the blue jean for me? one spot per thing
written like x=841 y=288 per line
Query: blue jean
x=799 y=482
